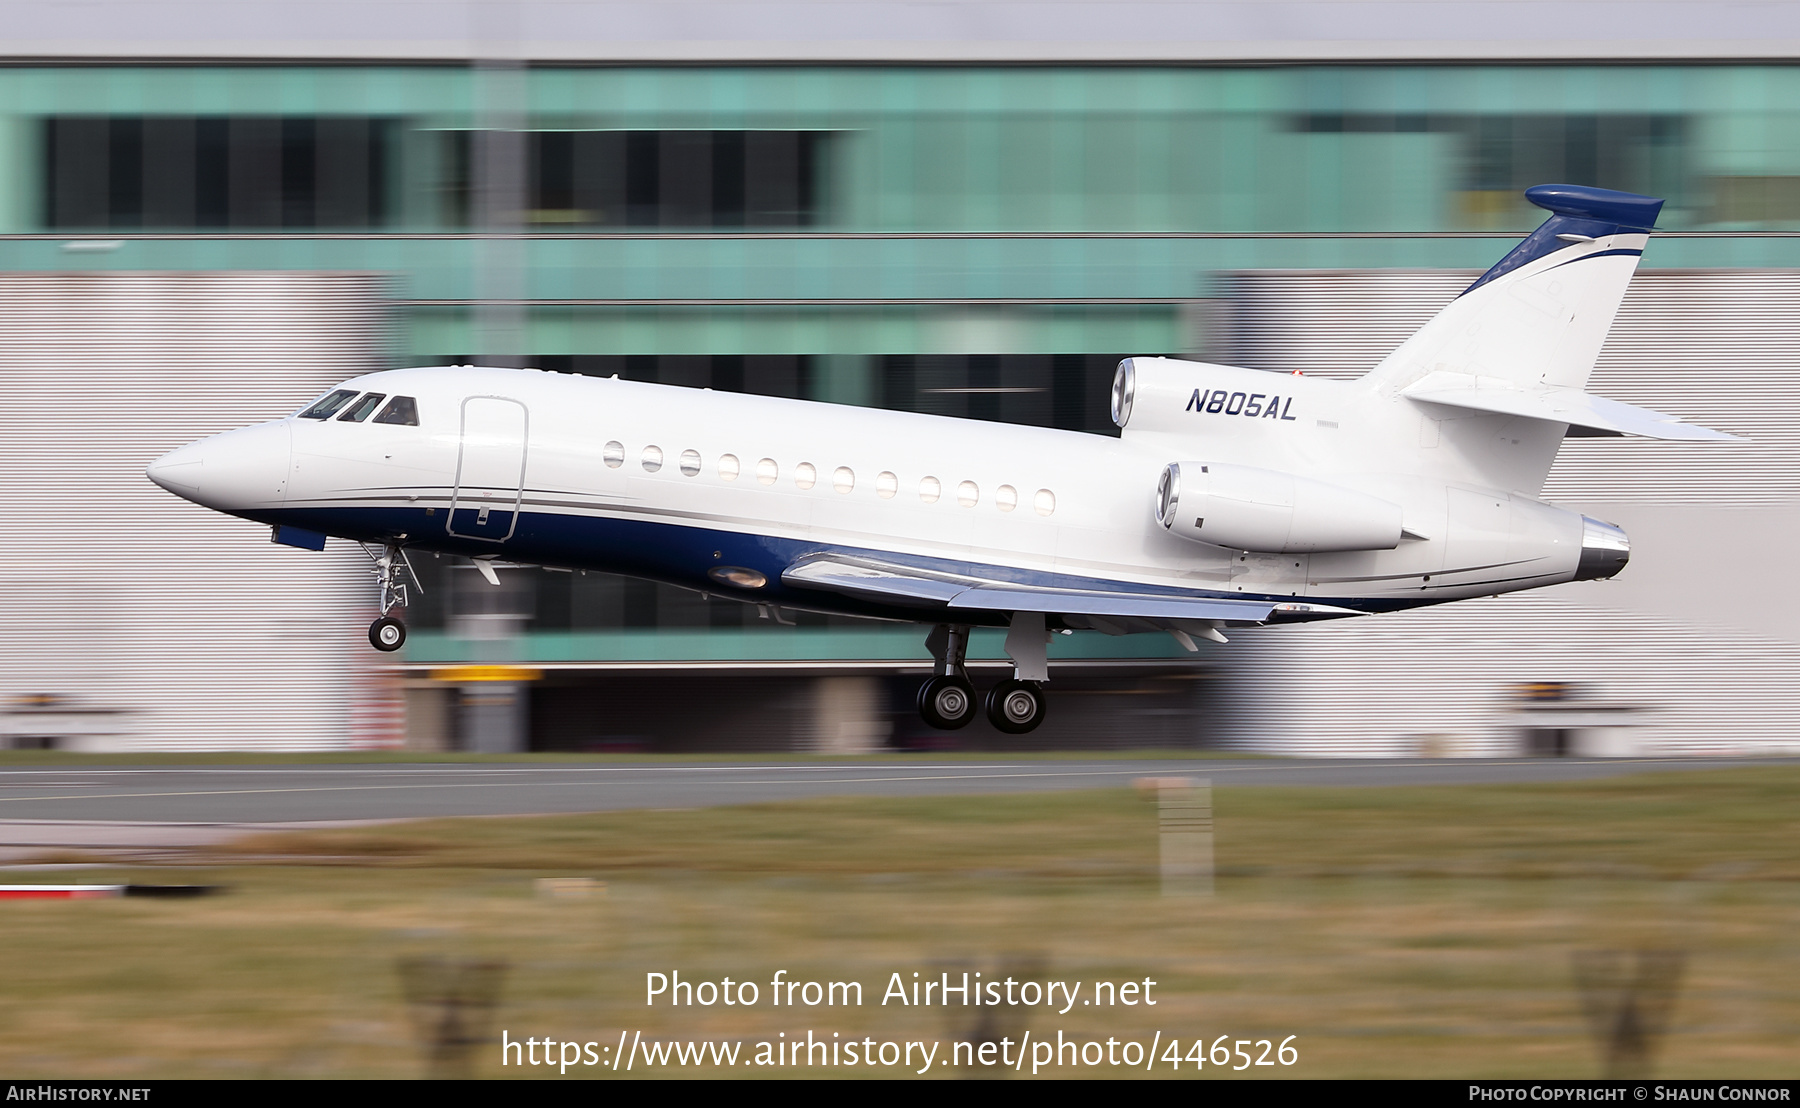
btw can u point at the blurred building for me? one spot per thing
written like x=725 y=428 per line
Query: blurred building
x=210 y=210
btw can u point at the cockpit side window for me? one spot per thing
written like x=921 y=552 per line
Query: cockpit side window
x=361 y=409
x=401 y=410
x=327 y=406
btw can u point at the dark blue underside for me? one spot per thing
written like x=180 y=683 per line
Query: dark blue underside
x=681 y=554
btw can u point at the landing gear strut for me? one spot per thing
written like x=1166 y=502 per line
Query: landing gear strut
x=1017 y=706
x=388 y=632
x=947 y=700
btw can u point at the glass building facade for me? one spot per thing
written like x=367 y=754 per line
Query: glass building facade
x=976 y=241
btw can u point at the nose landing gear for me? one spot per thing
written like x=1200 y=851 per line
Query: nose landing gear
x=388 y=633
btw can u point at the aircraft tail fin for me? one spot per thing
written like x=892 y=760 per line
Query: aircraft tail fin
x=1540 y=315
x=1498 y=374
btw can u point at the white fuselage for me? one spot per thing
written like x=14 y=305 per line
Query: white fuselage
x=697 y=478
x=1232 y=496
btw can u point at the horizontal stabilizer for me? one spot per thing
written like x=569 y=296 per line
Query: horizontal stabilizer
x=1554 y=405
x=933 y=589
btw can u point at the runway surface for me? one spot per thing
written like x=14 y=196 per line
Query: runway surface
x=196 y=803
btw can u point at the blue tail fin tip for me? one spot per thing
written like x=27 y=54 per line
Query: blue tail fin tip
x=1626 y=209
x=1581 y=210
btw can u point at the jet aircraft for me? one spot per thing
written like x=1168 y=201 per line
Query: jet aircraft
x=1231 y=498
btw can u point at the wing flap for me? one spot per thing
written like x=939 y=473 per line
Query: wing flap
x=1556 y=405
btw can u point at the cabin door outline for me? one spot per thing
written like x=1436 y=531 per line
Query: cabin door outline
x=490 y=469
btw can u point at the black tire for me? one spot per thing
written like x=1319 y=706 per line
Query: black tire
x=1016 y=707
x=387 y=633
x=947 y=702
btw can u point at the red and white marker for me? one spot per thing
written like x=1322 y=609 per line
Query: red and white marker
x=59 y=892
x=91 y=892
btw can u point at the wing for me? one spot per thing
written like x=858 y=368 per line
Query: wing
x=941 y=594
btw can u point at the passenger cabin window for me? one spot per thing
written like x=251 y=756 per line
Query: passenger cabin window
x=614 y=455
x=690 y=463
x=930 y=490
x=1044 y=502
x=967 y=494
x=843 y=480
x=1006 y=497
x=767 y=471
x=728 y=467
x=361 y=409
x=401 y=411
x=886 y=485
x=805 y=476
x=327 y=406
x=652 y=460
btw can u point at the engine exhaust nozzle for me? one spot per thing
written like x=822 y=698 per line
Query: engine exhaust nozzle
x=1604 y=550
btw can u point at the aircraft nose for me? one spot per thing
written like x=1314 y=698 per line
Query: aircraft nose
x=237 y=471
x=179 y=471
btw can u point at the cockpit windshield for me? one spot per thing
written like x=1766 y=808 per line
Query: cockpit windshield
x=327 y=406
x=360 y=410
x=401 y=410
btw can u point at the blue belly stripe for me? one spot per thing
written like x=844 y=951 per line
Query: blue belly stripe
x=680 y=554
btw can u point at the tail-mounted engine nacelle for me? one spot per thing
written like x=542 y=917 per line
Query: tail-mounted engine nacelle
x=1244 y=508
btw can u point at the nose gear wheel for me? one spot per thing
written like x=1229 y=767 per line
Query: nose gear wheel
x=388 y=633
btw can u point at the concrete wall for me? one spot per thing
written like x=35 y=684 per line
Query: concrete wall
x=1694 y=648
x=131 y=619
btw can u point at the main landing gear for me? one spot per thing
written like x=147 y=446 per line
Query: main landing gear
x=947 y=700
x=1015 y=707
x=388 y=632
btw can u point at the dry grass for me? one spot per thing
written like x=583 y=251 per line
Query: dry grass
x=1396 y=932
x=1716 y=825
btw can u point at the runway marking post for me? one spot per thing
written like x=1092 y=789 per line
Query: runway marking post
x=1185 y=840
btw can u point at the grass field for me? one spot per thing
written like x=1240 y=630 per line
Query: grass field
x=1416 y=932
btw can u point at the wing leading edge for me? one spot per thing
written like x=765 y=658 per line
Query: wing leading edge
x=1099 y=608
